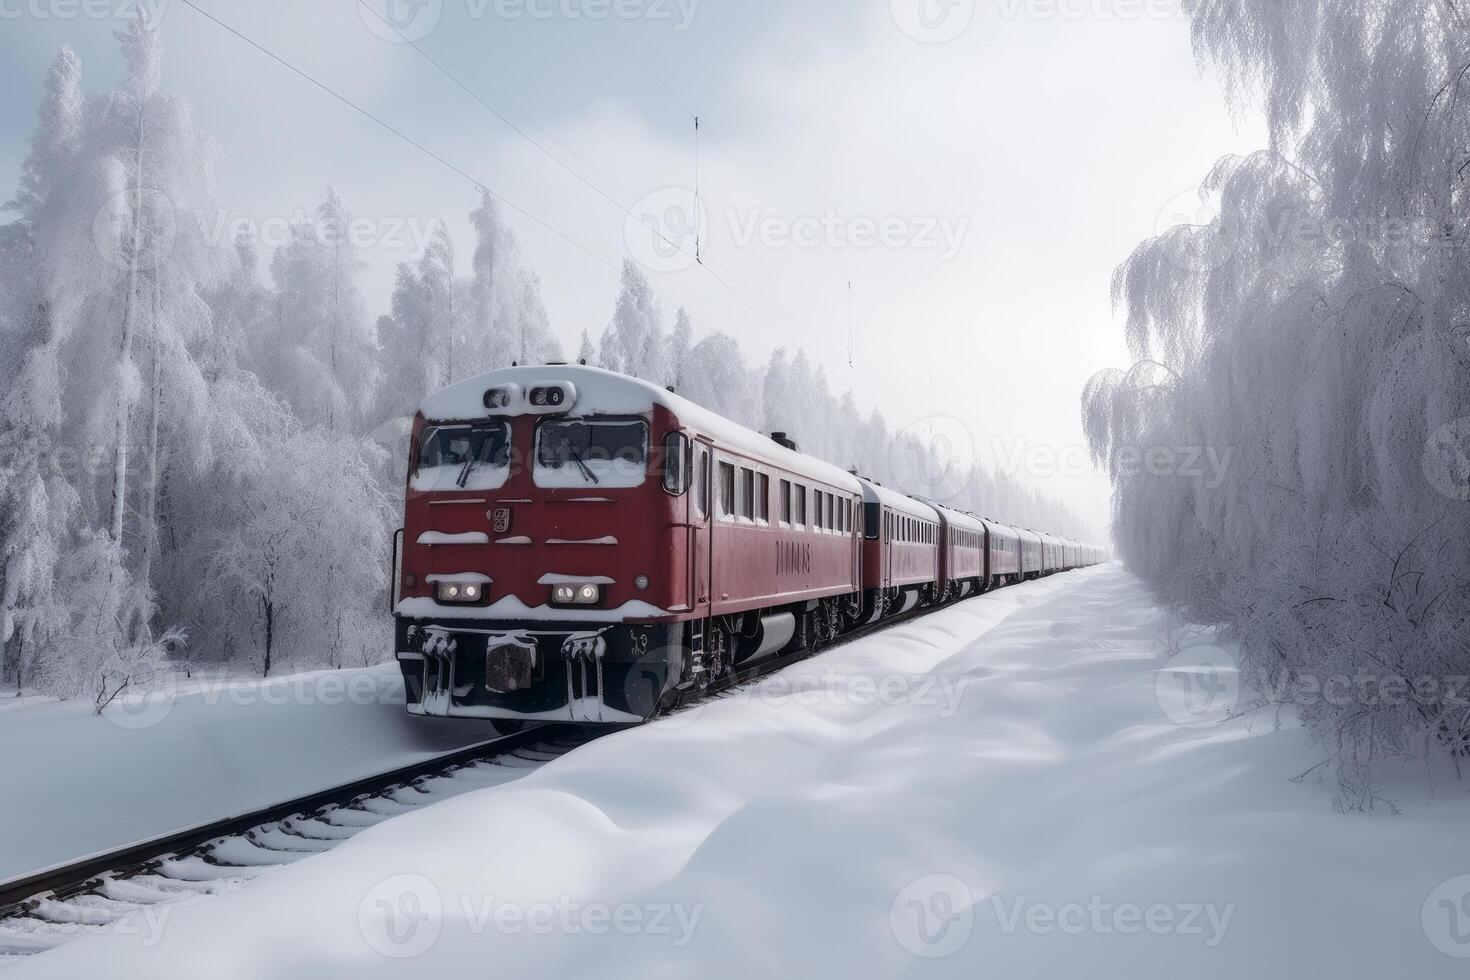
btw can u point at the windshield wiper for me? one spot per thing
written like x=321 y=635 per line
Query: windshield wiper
x=464 y=472
x=470 y=464
x=582 y=465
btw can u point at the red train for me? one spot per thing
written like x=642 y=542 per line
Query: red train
x=583 y=546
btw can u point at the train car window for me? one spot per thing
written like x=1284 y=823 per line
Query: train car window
x=785 y=501
x=676 y=463
x=727 y=490
x=609 y=453
x=800 y=492
x=762 y=497
x=463 y=457
x=870 y=521
x=701 y=484
x=747 y=493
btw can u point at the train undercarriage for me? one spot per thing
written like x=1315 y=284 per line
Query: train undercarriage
x=623 y=673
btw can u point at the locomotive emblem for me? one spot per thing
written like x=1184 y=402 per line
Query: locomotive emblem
x=500 y=519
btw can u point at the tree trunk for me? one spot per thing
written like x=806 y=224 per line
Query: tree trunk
x=130 y=313
x=149 y=530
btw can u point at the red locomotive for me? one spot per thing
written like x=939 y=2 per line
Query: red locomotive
x=583 y=546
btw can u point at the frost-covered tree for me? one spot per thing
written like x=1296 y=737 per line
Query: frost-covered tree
x=318 y=350
x=38 y=504
x=586 y=353
x=507 y=316
x=634 y=342
x=1316 y=332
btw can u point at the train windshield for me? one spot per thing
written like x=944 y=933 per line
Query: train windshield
x=606 y=453
x=463 y=457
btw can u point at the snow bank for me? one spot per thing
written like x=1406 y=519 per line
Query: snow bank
x=76 y=784
x=1003 y=789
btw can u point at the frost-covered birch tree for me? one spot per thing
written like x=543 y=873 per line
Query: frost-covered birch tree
x=1315 y=334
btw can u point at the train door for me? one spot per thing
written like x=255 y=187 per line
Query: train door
x=701 y=527
x=887 y=551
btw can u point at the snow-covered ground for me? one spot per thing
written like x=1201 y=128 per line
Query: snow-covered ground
x=1014 y=787
x=75 y=784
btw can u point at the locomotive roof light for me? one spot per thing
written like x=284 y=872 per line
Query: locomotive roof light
x=552 y=398
x=502 y=399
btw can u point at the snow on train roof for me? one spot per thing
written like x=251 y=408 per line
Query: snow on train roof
x=894 y=500
x=603 y=392
x=1004 y=530
x=961 y=519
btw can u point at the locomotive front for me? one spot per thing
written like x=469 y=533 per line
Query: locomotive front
x=540 y=553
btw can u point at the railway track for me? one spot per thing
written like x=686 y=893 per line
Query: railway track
x=116 y=889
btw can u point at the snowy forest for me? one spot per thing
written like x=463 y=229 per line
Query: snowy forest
x=202 y=446
x=1319 y=328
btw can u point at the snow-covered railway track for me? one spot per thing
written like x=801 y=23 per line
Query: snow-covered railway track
x=119 y=890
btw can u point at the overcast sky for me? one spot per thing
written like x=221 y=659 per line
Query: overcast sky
x=1006 y=155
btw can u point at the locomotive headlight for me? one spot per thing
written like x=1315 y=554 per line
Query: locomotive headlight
x=458 y=592
x=641 y=581
x=576 y=594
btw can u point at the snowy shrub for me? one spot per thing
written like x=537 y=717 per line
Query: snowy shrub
x=1315 y=335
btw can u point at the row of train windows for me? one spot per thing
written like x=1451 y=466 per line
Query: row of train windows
x=902 y=528
x=964 y=539
x=746 y=494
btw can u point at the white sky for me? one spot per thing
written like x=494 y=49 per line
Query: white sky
x=1055 y=134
